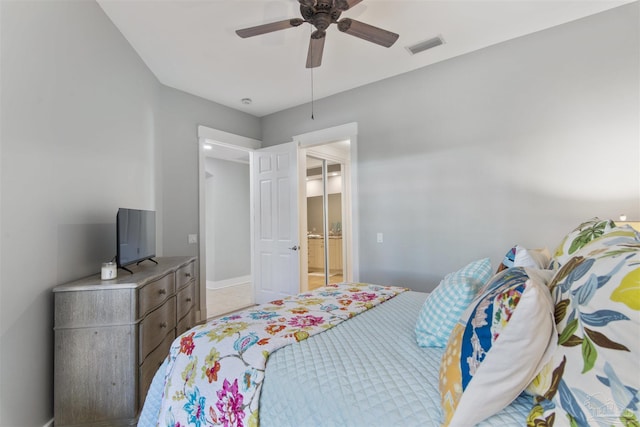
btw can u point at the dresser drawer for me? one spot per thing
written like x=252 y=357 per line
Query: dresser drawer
x=151 y=365
x=185 y=274
x=186 y=299
x=155 y=327
x=154 y=293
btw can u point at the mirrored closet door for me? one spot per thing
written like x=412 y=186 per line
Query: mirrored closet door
x=324 y=222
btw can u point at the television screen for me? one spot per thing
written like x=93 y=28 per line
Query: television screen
x=136 y=236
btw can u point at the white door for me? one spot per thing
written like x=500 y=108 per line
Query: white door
x=275 y=198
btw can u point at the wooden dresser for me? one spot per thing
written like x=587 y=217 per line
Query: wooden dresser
x=111 y=336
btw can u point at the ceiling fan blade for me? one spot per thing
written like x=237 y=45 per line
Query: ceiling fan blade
x=316 y=47
x=367 y=32
x=268 y=28
x=346 y=4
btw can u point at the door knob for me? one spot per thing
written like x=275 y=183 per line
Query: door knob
x=294 y=248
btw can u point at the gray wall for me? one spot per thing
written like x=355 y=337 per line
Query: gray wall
x=228 y=224
x=85 y=128
x=516 y=143
x=179 y=115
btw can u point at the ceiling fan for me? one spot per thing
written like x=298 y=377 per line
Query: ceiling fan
x=321 y=14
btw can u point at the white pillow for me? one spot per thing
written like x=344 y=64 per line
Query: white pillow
x=534 y=258
x=519 y=256
x=445 y=304
x=500 y=344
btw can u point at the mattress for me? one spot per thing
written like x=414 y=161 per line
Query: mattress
x=367 y=371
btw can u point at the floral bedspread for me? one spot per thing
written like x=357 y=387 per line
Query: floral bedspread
x=215 y=371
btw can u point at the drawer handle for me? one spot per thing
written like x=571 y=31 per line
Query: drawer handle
x=188 y=299
x=187 y=274
x=163 y=325
x=162 y=291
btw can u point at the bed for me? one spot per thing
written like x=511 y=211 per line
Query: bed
x=368 y=368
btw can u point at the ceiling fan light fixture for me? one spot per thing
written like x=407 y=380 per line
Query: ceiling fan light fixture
x=425 y=45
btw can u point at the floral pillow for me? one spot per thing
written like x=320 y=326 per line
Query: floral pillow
x=505 y=336
x=593 y=376
x=580 y=237
x=445 y=304
x=519 y=256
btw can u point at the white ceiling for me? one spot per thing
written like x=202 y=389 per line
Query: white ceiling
x=191 y=45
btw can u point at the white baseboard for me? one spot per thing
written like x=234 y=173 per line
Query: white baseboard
x=234 y=281
x=49 y=424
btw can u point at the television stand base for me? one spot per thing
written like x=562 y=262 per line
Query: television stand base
x=138 y=263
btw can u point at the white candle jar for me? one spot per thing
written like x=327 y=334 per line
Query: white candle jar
x=109 y=270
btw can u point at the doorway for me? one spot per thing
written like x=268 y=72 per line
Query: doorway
x=324 y=222
x=319 y=144
x=225 y=249
x=326 y=217
x=228 y=235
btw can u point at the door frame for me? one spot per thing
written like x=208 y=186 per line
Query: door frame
x=306 y=143
x=207 y=135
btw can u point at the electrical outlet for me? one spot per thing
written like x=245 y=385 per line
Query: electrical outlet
x=379 y=238
x=193 y=238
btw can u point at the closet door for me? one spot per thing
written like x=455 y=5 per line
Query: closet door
x=324 y=221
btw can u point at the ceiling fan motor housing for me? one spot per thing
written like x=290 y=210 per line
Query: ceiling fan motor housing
x=321 y=14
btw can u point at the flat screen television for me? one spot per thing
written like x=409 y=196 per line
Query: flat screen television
x=136 y=236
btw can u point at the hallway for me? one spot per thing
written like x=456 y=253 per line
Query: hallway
x=229 y=299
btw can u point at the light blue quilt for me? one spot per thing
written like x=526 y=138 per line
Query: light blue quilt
x=367 y=371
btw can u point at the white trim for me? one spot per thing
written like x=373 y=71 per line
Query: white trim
x=302 y=219
x=202 y=241
x=324 y=136
x=227 y=138
x=227 y=283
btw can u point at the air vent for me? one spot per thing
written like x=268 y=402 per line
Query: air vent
x=424 y=45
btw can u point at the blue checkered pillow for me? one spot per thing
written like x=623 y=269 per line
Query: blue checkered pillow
x=445 y=304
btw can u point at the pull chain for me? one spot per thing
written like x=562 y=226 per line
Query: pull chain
x=311 y=68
